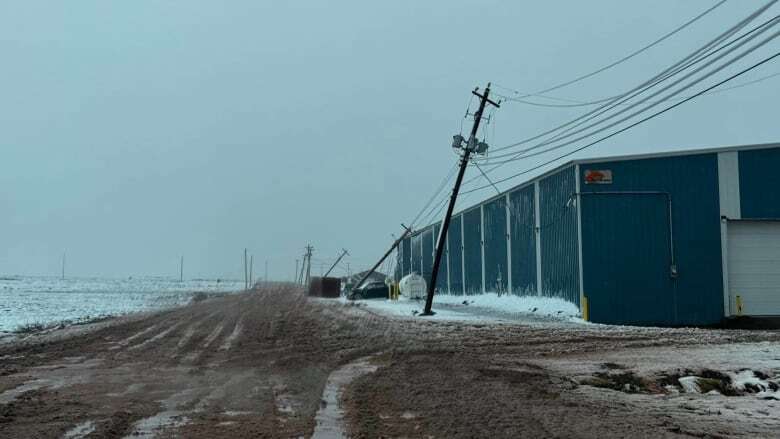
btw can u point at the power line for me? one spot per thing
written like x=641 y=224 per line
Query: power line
x=665 y=74
x=526 y=153
x=625 y=58
x=576 y=103
x=441 y=187
x=658 y=113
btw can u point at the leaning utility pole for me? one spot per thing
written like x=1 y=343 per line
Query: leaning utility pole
x=392 y=247
x=343 y=252
x=309 y=249
x=471 y=146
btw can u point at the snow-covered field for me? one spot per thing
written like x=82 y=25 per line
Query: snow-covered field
x=33 y=300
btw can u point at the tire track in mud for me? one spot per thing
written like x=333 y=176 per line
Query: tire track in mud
x=230 y=339
x=213 y=335
x=157 y=337
x=124 y=343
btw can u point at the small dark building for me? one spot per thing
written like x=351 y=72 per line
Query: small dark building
x=327 y=287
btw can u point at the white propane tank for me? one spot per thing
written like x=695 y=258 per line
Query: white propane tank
x=413 y=286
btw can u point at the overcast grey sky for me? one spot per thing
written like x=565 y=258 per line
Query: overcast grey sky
x=133 y=132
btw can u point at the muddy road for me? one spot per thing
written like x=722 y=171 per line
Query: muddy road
x=256 y=365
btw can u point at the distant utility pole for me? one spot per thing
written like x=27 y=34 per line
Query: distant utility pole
x=265 y=277
x=343 y=252
x=392 y=247
x=471 y=145
x=303 y=269
x=251 y=270
x=63 y=266
x=246 y=272
x=309 y=250
x=295 y=276
x=181 y=269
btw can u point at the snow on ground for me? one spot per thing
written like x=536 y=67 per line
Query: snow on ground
x=482 y=307
x=409 y=308
x=509 y=303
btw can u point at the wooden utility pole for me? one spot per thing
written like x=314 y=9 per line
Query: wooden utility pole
x=471 y=145
x=63 y=266
x=295 y=276
x=251 y=270
x=246 y=273
x=390 y=250
x=343 y=252
x=303 y=269
x=309 y=250
x=181 y=269
x=265 y=276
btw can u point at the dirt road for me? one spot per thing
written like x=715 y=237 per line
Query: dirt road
x=256 y=364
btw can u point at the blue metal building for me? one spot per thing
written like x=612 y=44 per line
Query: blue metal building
x=679 y=238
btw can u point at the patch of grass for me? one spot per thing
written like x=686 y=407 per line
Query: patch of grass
x=199 y=296
x=707 y=380
x=623 y=381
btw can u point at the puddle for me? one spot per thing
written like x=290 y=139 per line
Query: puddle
x=53 y=376
x=149 y=427
x=172 y=416
x=132 y=388
x=12 y=394
x=80 y=431
x=330 y=416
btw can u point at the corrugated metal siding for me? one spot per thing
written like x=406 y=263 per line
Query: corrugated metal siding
x=759 y=181
x=427 y=253
x=441 y=280
x=558 y=236
x=456 y=255
x=496 y=274
x=622 y=234
x=522 y=225
x=406 y=256
x=397 y=269
x=472 y=250
x=416 y=254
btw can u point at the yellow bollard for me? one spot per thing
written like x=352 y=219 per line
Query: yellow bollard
x=585 y=309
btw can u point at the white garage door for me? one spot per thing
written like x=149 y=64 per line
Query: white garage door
x=754 y=267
